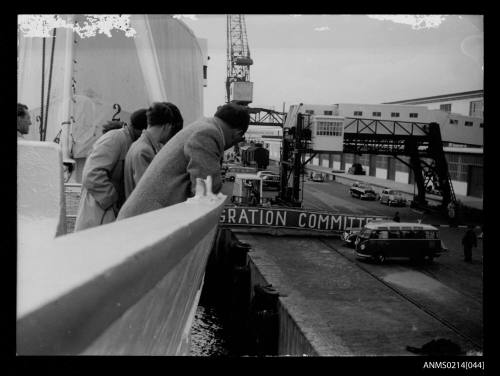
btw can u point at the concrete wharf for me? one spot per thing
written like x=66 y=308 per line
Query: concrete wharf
x=329 y=306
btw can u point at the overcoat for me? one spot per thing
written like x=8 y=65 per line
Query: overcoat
x=102 y=180
x=194 y=152
x=138 y=158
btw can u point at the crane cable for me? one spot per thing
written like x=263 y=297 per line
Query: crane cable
x=43 y=119
x=43 y=87
x=50 y=82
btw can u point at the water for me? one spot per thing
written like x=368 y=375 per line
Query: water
x=208 y=334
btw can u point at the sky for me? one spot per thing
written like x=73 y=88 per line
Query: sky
x=327 y=59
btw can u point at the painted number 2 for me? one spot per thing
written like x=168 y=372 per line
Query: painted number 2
x=118 y=109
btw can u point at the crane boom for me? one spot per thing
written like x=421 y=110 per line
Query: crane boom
x=238 y=85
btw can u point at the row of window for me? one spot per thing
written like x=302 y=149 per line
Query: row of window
x=379 y=114
x=326 y=128
x=466 y=123
x=311 y=112
x=360 y=113
x=404 y=234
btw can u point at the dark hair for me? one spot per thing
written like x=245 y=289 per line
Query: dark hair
x=112 y=124
x=159 y=113
x=178 y=121
x=139 y=120
x=21 y=109
x=235 y=115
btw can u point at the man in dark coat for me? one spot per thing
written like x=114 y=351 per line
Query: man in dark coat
x=468 y=241
x=164 y=121
x=194 y=152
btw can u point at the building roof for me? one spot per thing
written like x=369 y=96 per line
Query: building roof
x=441 y=98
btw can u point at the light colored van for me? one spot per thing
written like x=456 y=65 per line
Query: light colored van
x=381 y=240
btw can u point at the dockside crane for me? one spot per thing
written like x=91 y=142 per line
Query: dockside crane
x=239 y=89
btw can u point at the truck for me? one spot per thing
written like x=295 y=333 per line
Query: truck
x=247 y=190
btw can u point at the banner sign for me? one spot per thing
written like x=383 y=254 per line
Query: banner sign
x=302 y=219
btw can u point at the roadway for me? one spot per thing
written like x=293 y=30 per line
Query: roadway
x=447 y=292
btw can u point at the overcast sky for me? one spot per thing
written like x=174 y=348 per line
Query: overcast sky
x=326 y=59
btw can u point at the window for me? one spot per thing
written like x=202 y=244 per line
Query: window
x=413 y=115
x=468 y=123
x=394 y=234
x=431 y=235
x=310 y=112
x=327 y=112
x=358 y=113
x=394 y=114
x=476 y=109
x=379 y=114
x=445 y=107
x=454 y=121
x=383 y=235
x=328 y=128
x=407 y=234
x=419 y=234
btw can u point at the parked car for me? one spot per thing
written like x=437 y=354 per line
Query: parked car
x=356 y=169
x=362 y=191
x=392 y=197
x=318 y=177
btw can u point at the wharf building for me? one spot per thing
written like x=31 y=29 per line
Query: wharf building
x=460 y=116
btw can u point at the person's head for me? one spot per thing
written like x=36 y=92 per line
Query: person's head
x=138 y=122
x=237 y=118
x=112 y=124
x=23 y=119
x=161 y=116
x=178 y=121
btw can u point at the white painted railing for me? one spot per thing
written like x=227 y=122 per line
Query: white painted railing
x=126 y=288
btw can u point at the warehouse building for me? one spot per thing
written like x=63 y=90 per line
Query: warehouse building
x=460 y=116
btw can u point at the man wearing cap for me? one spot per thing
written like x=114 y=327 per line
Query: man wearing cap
x=195 y=152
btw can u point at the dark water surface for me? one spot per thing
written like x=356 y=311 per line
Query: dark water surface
x=208 y=335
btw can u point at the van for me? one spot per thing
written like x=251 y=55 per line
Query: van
x=236 y=169
x=381 y=240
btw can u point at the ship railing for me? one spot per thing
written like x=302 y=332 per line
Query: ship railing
x=130 y=287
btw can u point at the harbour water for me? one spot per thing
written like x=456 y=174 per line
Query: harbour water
x=209 y=336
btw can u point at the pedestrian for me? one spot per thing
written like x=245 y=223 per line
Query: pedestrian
x=468 y=241
x=164 y=121
x=194 y=152
x=23 y=120
x=396 y=217
x=102 y=179
x=112 y=124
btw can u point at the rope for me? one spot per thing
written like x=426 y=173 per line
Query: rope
x=50 y=82
x=43 y=87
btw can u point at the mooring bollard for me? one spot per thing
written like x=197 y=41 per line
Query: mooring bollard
x=264 y=320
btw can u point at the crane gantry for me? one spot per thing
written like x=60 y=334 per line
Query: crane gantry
x=238 y=86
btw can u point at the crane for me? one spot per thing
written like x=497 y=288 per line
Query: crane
x=239 y=89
